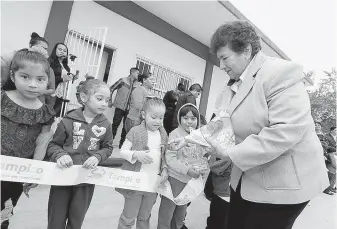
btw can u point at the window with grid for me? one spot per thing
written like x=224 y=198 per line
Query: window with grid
x=166 y=79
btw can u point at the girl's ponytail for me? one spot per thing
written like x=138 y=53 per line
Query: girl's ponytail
x=85 y=87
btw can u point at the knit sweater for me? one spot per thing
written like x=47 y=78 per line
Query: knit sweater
x=139 y=137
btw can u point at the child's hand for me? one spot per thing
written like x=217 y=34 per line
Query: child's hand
x=65 y=161
x=164 y=176
x=193 y=173
x=177 y=144
x=27 y=187
x=143 y=157
x=91 y=163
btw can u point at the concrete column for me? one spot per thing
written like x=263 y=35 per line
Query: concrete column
x=206 y=85
x=58 y=22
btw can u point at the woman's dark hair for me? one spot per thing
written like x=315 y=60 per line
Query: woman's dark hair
x=238 y=35
x=53 y=59
x=187 y=108
x=35 y=38
x=18 y=61
x=143 y=77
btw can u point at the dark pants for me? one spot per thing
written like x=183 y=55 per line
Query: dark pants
x=118 y=116
x=10 y=191
x=244 y=214
x=218 y=210
x=68 y=205
x=208 y=190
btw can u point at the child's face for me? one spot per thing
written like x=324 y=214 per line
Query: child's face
x=30 y=80
x=188 y=121
x=154 y=117
x=97 y=103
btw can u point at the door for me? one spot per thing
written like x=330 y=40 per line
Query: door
x=87 y=46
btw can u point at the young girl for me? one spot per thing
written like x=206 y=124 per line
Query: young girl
x=181 y=168
x=36 y=44
x=143 y=152
x=83 y=137
x=137 y=99
x=23 y=115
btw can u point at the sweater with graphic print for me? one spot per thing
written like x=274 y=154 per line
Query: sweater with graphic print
x=81 y=140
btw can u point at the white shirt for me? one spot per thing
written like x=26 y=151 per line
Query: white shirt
x=154 y=144
x=236 y=86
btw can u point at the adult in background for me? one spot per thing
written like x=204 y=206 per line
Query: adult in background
x=37 y=44
x=170 y=99
x=330 y=139
x=138 y=97
x=124 y=87
x=188 y=97
x=59 y=63
x=278 y=163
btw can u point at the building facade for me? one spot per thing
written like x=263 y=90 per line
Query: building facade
x=168 y=38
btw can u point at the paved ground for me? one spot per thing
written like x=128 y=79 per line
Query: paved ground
x=107 y=205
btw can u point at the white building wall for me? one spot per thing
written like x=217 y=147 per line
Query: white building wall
x=19 y=19
x=219 y=80
x=130 y=39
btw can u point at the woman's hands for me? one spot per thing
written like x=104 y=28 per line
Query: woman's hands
x=216 y=149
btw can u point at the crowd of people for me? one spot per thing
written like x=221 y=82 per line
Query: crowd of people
x=265 y=181
x=328 y=142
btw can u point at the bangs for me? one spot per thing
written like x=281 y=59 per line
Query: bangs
x=22 y=57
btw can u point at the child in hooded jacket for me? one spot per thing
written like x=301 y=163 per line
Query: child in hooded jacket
x=83 y=137
x=143 y=152
x=180 y=168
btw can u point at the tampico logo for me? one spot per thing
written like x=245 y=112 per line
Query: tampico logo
x=12 y=167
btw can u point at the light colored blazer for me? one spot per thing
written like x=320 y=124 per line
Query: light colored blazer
x=277 y=152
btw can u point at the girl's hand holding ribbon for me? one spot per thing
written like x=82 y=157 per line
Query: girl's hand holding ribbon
x=64 y=162
x=91 y=163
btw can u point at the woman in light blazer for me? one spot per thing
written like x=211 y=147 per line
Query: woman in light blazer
x=278 y=163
